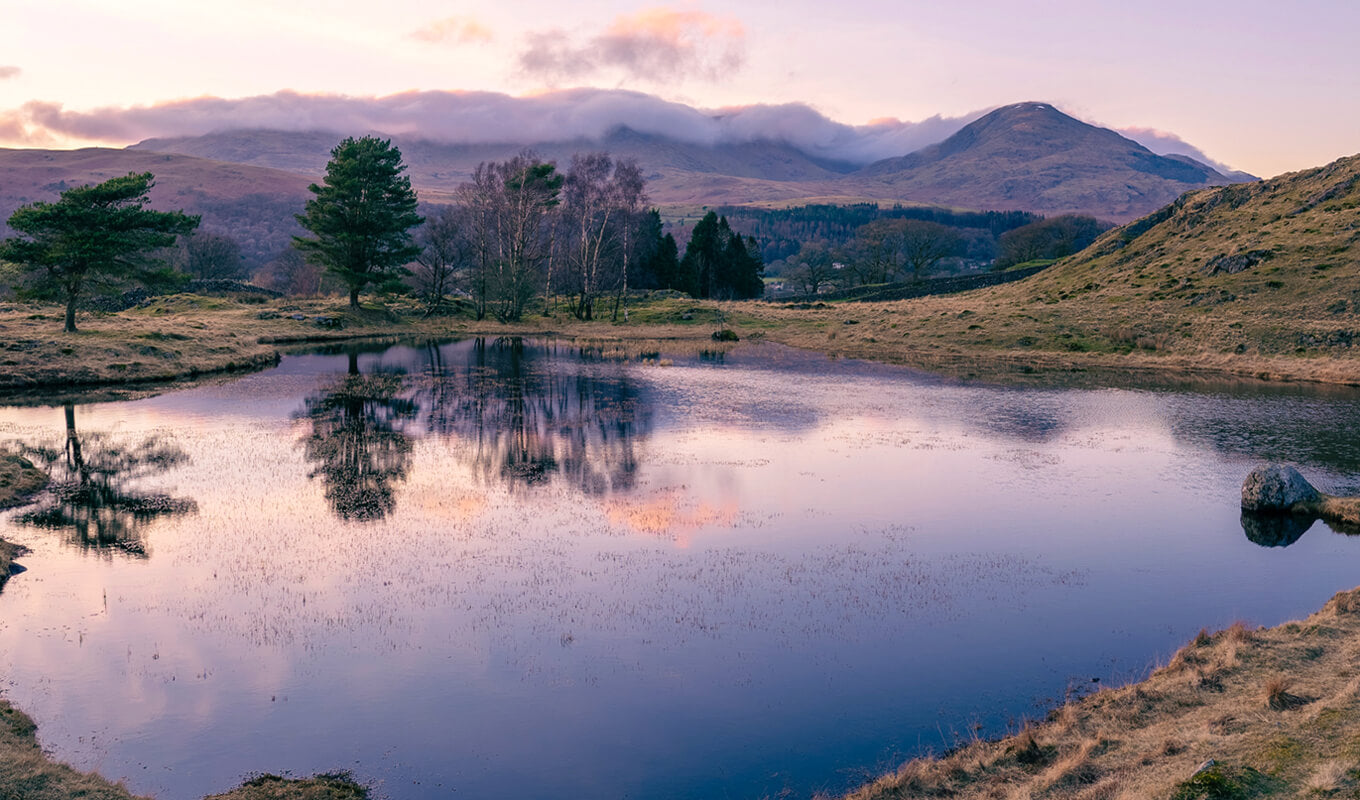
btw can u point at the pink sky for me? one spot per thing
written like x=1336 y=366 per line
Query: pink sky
x=1264 y=87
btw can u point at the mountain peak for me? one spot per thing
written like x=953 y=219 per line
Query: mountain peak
x=1033 y=156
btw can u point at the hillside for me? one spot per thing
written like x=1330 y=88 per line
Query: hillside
x=254 y=205
x=1033 y=157
x=1257 y=279
x=677 y=172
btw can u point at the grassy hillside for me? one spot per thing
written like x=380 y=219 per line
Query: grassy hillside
x=1259 y=278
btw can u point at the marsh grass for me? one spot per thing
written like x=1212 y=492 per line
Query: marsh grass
x=19 y=480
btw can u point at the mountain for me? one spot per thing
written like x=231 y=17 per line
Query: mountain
x=1028 y=157
x=1033 y=157
x=677 y=171
x=255 y=205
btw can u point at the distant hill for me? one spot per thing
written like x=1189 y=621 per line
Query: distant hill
x=254 y=205
x=1027 y=157
x=677 y=172
x=1033 y=157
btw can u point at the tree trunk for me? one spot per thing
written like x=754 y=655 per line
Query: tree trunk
x=70 y=313
x=353 y=298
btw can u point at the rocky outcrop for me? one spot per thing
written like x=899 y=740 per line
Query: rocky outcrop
x=1276 y=488
x=1279 y=505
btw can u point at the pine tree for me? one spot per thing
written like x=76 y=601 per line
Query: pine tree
x=92 y=233
x=361 y=216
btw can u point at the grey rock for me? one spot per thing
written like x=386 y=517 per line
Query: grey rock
x=1276 y=488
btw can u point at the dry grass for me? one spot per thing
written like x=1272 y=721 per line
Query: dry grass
x=19 y=480
x=26 y=773
x=185 y=336
x=1277 y=709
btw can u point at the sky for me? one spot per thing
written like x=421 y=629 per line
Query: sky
x=1265 y=87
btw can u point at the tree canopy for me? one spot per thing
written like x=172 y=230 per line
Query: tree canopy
x=719 y=263
x=361 y=216
x=91 y=234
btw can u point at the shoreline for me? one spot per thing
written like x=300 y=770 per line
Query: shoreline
x=186 y=337
x=1234 y=714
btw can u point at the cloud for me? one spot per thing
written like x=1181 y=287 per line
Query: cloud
x=9 y=72
x=1164 y=143
x=654 y=45
x=484 y=118
x=494 y=118
x=455 y=29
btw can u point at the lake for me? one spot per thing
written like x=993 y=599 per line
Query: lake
x=515 y=568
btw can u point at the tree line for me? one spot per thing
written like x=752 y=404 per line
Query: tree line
x=891 y=249
x=783 y=231
x=521 y=234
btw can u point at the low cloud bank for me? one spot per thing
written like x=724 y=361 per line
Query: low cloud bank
x=490 y=117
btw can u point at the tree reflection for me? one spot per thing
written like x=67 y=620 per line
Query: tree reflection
x=91 y=494
x=357 y=442
x=526 y=414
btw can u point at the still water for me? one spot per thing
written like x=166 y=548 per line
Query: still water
x=504 y=568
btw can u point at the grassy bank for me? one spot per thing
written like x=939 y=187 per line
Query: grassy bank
x=986 y=334
x=19 y=480
x=1277 y=711
x=26 y=773
x=187 y=336
x=991 y=333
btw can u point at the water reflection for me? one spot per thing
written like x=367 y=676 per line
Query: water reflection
x=357 y=443
x=91 y=496
x=514 y=412
x=524 y=419
x=1269 y=529
x=1275 y=530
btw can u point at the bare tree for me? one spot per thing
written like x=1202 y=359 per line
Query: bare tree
x=589 y=205
x=925 y=244
x=509 y=207
x=812 y=268
x=630 y=194
x=603 y=206
x=446 y=251
x=211 y=256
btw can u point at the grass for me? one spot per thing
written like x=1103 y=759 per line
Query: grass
x=26 y=773
x=19 y=480
x=1276 y=711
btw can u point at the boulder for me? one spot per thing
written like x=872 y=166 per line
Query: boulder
x=1276 y=488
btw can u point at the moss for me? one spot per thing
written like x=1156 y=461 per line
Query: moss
x=1220 y=783
x=332 y=786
